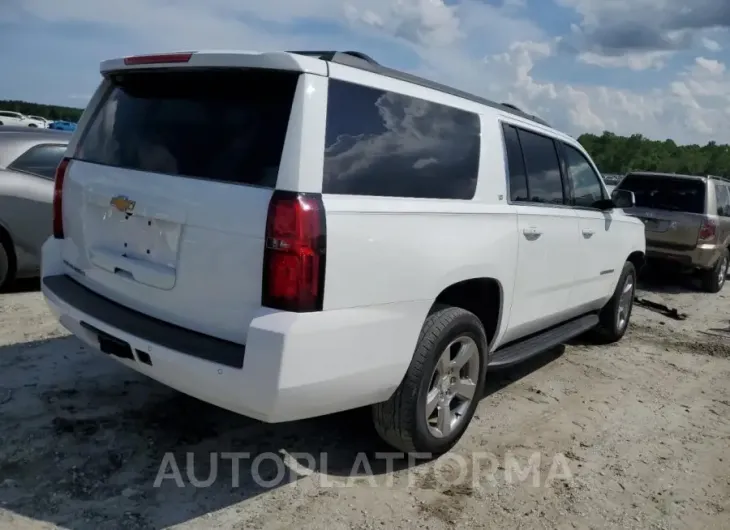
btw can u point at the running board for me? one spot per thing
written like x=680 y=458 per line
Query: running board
x=521 y=351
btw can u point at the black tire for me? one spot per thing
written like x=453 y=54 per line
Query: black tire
x=713 y=280
x=401 y=420
x=611 y=328
x=7 y=263
x=32 y=125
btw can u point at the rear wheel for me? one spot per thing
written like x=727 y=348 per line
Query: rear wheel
x=615 y=315
x=713 y=280
x=435 y=402
x=32 y=125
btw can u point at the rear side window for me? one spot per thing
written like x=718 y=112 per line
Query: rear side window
x=665 y=192
x=544 y=180
x=226 y=125
x=722 y=196
x=386 y=144
x=40 y=160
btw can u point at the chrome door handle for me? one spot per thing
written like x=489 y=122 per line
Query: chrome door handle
x=532 y=232
x=587 y=232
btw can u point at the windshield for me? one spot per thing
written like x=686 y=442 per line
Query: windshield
x=666 y=192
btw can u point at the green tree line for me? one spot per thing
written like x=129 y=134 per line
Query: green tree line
x=50 y=112
x=621 y=154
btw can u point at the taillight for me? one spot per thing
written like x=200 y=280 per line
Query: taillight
x=294 y=255
x=58 y=198
x=707 y=230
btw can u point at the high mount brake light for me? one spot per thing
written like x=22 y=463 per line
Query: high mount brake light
x=294 y=255
x=58 y=197
x=163 y=58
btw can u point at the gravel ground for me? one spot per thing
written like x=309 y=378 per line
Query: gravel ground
x=633 y=435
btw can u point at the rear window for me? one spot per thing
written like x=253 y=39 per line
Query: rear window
x=666 y=193
x=40 y=160
x=226 y=125
x=381 y=143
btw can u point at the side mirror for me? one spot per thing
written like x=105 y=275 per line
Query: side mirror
x=604 y=205
x=623 y=198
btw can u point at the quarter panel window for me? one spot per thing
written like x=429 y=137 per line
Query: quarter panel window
x=381 y=143
x=544 y=179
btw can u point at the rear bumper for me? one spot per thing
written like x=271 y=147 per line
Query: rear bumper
x=295 y=366
x=702 y=256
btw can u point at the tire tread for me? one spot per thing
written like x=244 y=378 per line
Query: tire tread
x=390 y=417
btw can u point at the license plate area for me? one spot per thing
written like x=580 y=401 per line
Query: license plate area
x=653 y=225
x=142 y=238
x=109 y=344
x=147 y=229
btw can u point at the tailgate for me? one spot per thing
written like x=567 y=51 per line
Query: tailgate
x=166 y=198
x=671 y=230
x=671 y=207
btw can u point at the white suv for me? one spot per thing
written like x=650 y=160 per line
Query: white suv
x=292 y=234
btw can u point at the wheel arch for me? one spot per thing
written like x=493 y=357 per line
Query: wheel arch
x=7 y=241
x=637 y=259
x=483 y=296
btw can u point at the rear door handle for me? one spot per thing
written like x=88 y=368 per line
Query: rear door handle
x=532 y=232
x=587 y=232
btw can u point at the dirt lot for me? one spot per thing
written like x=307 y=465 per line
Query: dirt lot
x=639 y=434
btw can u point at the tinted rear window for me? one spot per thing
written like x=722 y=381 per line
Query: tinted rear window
x=666 y=193
x=386 y=144
x=226 y=125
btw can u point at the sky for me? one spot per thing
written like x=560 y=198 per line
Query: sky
x=653 y=67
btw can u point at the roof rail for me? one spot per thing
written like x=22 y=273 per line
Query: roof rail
x=719 y=177
x=349 y=58
x=531 y=116
x=362 y=61
x=510 y=105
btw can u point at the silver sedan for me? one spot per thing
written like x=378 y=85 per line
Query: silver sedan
x=28 y=160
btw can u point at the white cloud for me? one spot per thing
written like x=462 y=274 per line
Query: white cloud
x=710 y=65
x=425 y=22
x=634 y=61
x=711 y=45
x=492 y=51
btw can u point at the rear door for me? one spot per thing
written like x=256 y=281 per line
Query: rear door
x=165 y=200
x=548 y=234
x=672 y=208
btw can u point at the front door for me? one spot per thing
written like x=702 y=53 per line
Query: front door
x=598 y=269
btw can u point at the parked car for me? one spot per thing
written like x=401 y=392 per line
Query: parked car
x=288 y=235
x=42 y=122
x=62 y=125
x=16 y=118
x=28 y=160
x=687 y=220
